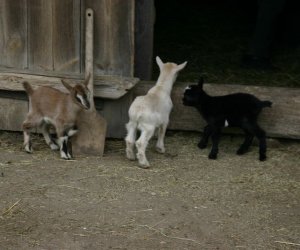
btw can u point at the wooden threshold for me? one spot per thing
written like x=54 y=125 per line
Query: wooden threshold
x=105 y=86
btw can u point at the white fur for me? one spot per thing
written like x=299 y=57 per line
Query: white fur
x=151 y=111
x=226 y=123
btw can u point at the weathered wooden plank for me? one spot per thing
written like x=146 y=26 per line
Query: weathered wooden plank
x=114 y=36
x=66 y=35
x=282 y=120
x=112 y=87
x=40 y=53
x=12 y=113
x=144 y=31
x=116 y=114
x=13 y=34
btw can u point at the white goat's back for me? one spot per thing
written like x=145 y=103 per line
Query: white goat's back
x=153 y=108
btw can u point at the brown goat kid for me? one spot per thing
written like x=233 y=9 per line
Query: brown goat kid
x=50 y=107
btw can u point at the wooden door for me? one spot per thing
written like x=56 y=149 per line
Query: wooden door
x=46 y=37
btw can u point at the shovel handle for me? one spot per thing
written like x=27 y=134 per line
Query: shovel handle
x=89 y=51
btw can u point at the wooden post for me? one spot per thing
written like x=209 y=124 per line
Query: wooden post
x=89 y=52
x=90 y=138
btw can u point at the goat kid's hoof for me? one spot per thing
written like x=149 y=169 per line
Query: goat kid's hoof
x=212 y=156
x=241 y=151
x=28 y=149
x=202 y=145
x=262 y=157
x=54 y=147
x=160 y=150
x=144 y=165
x=130 y=155
x=65 y=156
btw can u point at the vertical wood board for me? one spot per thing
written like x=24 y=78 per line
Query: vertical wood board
x=116 y=114
x=13 y=31
x=114 y=36
x=40 y=35
x=66 y=35
x=12 y=113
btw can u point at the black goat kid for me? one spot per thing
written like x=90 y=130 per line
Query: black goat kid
x=234 y=110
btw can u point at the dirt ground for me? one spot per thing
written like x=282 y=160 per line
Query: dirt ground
x=184 y=201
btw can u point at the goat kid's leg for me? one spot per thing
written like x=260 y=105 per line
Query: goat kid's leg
x=160 y=146
x=246 y=144
x=261 y=136
x=130 y=140
x=215 y=136
x=48 y=138
x=32 y=121
x=141 y=145
x=63 y=144
x=206 y=134
x=27 y=142
x=64 y=152
x=28 y=124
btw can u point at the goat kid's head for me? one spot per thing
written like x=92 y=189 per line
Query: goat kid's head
x=169 y=68
x=193 y=94
x=80 y=93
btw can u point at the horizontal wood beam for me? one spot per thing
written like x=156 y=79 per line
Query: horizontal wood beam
x=281 y=121
x=111 y=87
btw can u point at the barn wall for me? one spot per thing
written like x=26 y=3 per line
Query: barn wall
x=281 y=121
x=13 y=34
x=43 y=35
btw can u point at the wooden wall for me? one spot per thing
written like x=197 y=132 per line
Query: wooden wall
x=48 y=35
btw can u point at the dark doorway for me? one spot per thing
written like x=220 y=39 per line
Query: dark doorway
x=212 y=35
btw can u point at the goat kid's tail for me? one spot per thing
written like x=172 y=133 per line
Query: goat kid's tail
x=27 y=88
x=266 y=104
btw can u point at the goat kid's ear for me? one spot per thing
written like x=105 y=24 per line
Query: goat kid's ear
x=86 y=81
x=181 y=66
x=67 y=85
x=159 y=62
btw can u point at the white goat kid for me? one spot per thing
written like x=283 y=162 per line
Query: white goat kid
x=151 y=111
x=50 y=107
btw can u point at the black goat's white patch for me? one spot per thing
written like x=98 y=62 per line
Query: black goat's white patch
x=226 y=123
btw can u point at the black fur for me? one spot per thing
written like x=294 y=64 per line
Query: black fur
x=65 y=146
x=238 y=110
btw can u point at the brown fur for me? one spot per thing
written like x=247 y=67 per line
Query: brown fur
x=51 y=107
